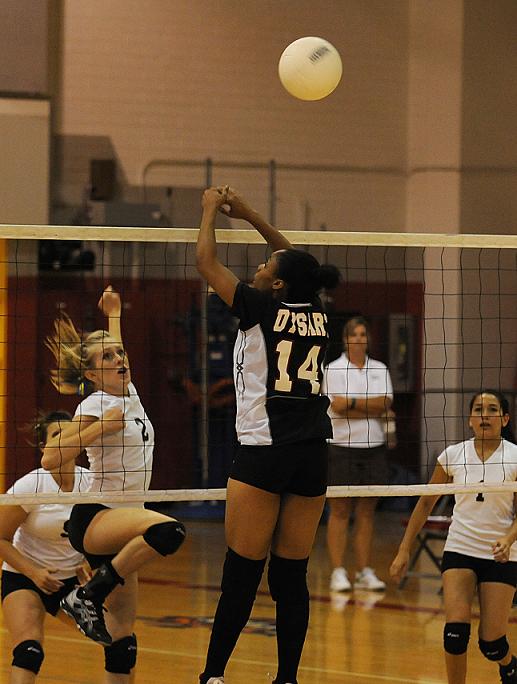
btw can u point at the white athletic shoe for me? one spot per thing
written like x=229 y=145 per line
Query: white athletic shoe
x=368 y=580
x=216 y=680
x=339 y=580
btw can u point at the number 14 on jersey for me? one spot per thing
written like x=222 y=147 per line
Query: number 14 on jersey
x=308 y=370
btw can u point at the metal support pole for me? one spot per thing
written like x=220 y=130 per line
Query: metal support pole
x=209 y=172
x=272 y=192
x=204 y=410
x=203 y=426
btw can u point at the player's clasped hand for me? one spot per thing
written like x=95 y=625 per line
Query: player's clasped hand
x=43 y=579
x=235 y=206
x=501 y=549
x=215 y=197
x=83 y=573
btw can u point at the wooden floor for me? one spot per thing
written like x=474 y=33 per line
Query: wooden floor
x=363 y=638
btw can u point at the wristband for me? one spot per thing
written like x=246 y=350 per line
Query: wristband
x=352 y=404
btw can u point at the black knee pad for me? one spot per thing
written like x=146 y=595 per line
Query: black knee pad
x=166 y=537
x=494 y=650
x=287 y=578
x=120 y=657
x=456 y=637
x=241 y=576
x=28 y=655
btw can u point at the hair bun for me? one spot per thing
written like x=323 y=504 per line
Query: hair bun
x=329 y=276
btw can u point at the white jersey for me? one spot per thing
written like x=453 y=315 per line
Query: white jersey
x=344 y=379
x=120 y=461
x=480 y=519
x=41 y=537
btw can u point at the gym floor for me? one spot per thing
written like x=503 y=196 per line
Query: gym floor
x=362 y=637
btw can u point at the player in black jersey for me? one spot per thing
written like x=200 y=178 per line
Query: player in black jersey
x=276 y=490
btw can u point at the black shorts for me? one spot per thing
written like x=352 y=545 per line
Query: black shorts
x=352 y=466
x=485 y=569
x=80 y=518
x=299 y=468
x=14 y=581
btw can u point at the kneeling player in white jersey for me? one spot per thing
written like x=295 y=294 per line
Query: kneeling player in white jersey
x=40 y=566
x=111 y=425
x=480 y=552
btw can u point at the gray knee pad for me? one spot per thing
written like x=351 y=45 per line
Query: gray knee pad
x=120 y=656
x=287 y=579
x=28 y=655
x=166 y=537
x=456 y=637
x=494 y=650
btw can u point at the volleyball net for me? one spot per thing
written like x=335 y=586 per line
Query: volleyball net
x=440 y=309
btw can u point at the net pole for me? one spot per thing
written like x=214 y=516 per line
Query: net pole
x=204 y=385
x=3 y=360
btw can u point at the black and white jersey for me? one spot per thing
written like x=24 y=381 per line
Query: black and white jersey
x=278 y=359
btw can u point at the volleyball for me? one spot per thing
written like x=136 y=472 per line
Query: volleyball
x=310 y=68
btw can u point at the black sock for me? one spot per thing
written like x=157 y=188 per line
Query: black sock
x=288 y=585
x=241 y=577
x=102 y=583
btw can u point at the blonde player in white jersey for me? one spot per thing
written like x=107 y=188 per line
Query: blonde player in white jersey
x=40 y=566
x=480 y=552
x=113 y=428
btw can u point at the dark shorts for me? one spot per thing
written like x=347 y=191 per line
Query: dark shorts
x=80 y=518
x=299 y=468
x=15 y=581
x=485 y=569
x=351 y=466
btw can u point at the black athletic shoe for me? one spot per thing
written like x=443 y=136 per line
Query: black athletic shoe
x=508 y=673
x=88 y=616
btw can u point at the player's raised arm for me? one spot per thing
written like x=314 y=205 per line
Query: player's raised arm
x=111 y=306
x=223 y=281
x=236 y=207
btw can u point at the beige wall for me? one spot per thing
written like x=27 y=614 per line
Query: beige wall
x=425 y=108
x=192 y=79
x=23 y=46
x=24 y=160
x=489 y=130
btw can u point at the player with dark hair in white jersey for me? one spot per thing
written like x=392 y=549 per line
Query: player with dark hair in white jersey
x=480 y=553
x=40 y=566
x=111 y=425
x=276 y=490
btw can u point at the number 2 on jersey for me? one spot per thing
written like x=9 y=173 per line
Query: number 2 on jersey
x=145 y=434
x=307 y=371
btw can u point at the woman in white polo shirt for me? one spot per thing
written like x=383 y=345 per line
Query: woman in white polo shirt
x=360 y=393
x=480 y=555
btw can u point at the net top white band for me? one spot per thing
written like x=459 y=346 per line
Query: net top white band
x=298 y=237
x=138 y=497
